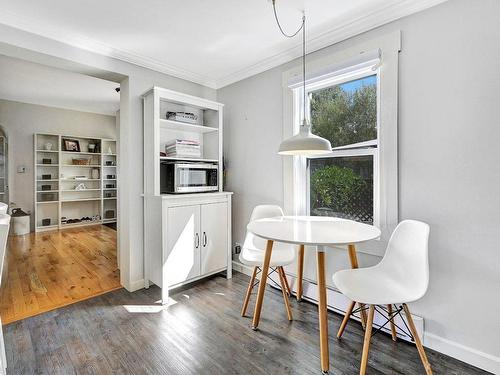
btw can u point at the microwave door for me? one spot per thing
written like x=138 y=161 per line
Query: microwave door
x=194 y=178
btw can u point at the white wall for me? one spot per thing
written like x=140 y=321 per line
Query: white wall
x=449 y=133
x=20 y=121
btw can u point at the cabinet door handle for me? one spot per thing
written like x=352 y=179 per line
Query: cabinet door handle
x=197 y=242
x=204 y=239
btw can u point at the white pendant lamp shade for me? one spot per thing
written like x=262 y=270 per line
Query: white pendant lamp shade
x=305 y=143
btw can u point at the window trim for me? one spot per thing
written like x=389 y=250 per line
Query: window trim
x=388 y=47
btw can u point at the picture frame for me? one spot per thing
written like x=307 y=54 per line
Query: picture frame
x=71 y=145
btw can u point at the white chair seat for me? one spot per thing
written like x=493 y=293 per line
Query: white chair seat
x=372 y=287
x=281 y=256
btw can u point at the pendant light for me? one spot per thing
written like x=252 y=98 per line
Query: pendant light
x=305 y=143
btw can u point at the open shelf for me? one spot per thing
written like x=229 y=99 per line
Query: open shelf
x=183 y=126
x=63 y=200
x=82 y=224
x=81 y=166
x=81 y=199
x=77 y=180
x=81 y=153
x=82 y=190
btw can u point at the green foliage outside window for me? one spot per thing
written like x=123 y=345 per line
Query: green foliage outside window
x=345 y=117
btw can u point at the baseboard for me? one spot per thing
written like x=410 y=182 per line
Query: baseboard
x=464 y=353
x=453 y=349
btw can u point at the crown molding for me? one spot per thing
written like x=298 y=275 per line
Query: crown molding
x=341 y=32
x=35 y=27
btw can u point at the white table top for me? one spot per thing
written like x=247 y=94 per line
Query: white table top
x=313 y=230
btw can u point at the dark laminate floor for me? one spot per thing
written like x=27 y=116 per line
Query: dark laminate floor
x=202 y=333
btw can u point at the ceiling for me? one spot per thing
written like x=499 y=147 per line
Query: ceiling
x=211 y=42
x=27 y=82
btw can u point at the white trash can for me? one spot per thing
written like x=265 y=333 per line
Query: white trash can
x=20 y=222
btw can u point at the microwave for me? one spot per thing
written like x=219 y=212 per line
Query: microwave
x=177 y=177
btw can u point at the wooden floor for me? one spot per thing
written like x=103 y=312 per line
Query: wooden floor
x=202 y=333
x=48 y=270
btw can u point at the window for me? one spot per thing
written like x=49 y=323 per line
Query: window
x=352 y=99
x=342 y=184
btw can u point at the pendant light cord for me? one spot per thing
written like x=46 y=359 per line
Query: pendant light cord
x=279 y=25
x=303 y=28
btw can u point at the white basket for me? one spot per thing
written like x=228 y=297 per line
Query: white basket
x=20 y=225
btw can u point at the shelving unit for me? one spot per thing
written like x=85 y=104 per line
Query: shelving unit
x=61 y=199
x=159 y=131
x=173 y=222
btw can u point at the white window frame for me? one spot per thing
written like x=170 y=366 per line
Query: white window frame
x=359 y=149
x=339 y=66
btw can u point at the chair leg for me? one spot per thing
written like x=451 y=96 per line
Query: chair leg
x=353 y=258
x=418 y=343
x=287 y=285
x=366 y=344
x=347 y=316
x=249 y=292
x=393 y=326
x=285 y=295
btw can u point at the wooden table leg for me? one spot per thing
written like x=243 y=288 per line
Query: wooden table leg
x=322 y=312
x=354 y=264
x=300 y=272
x=262 y=284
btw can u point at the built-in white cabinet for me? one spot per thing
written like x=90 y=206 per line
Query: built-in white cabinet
x=196 y=241
x=186 y=236
x=214 y=245
x=182 y=254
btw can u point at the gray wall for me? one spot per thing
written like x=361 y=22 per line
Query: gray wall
x=449 y=133
x=20 y=121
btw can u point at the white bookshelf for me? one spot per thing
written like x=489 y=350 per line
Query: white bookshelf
x=60 y=198
x=169 y=219
x=158 y=131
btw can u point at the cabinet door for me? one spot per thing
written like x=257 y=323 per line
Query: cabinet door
x=213 y=237
x=182 y=260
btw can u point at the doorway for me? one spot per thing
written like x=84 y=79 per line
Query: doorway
x=64 y=173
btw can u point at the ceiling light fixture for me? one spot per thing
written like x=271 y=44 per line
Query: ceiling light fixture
x=304 y=143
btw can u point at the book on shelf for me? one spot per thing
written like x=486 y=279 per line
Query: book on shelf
x=183 y=147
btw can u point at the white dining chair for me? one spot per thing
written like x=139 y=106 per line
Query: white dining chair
x=252 y=254
x=402 y=276
x=3 y=208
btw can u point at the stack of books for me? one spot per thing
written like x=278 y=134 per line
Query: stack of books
x=183 y=148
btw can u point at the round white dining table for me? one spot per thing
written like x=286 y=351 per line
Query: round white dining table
x=319 y=231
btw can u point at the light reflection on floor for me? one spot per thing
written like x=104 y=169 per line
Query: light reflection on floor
x=149 y=309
